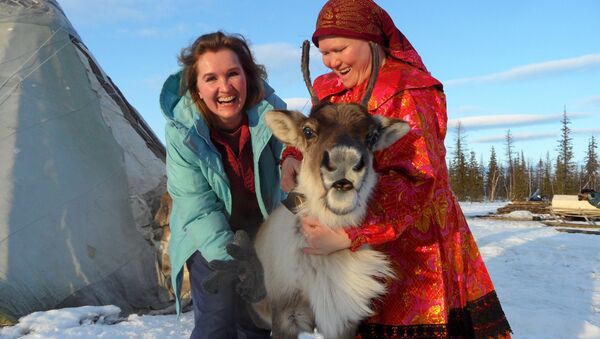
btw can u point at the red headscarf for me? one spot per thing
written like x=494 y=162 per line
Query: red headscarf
x=365 y=20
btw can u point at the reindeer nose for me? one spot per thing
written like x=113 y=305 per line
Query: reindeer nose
x=343 y=185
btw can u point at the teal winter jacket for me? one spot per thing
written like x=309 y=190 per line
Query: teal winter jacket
x=197 y=182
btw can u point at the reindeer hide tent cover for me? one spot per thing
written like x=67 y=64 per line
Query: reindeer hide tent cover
x=80 y=174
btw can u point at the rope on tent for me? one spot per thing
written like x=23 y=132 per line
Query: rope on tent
x=10 y=91
x=31 y=56
x=129 y=112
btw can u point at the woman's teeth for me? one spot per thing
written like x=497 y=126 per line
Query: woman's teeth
x=226 y=100
x=345 y=70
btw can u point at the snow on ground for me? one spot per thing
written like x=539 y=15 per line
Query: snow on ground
x=548 y=283
x=95 y=322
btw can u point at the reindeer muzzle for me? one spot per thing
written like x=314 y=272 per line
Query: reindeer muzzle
x=343 y=185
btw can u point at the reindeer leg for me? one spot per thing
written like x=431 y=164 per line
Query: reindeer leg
x=292 y=315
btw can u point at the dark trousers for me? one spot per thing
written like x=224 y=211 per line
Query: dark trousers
x=222 y=315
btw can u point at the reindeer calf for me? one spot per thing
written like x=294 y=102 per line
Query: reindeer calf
x=331 y=292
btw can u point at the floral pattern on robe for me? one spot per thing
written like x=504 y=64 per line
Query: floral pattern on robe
x=442 y=287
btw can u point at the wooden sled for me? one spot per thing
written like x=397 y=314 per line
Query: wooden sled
x=567 y=207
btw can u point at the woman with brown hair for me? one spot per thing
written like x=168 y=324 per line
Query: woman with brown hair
x=222 y=170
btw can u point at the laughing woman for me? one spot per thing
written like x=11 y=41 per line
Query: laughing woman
x=222 y=169
x=443 y=289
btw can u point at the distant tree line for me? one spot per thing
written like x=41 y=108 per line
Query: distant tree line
x=518 y=178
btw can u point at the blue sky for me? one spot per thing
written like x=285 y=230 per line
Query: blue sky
x=505 y=65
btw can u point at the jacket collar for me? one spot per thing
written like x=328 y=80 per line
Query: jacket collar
x=180 y=111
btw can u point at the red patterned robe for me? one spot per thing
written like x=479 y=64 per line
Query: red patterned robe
x=442 y=289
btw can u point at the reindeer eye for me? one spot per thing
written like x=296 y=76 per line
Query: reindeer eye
x=308 y=132
x=372 y=139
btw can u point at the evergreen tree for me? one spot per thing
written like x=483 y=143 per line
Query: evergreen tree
x=531 y=179
x=458 y=165
x=525 y=180
x=509 y=177
x=559 y=177
x=579 y=177
x=547 y=188
x=538 y=175
x=474 y=184
x=482 y=186
x=493 y=176
x=591 y=167
x=520 y=178
x=501 y=193
x=565 y=168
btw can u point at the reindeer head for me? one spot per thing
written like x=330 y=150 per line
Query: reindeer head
x=337 y=142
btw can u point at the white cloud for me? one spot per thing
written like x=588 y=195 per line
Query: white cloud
x=516 y=137
x=97 y=11
x=509 y=120
x=531 y=70
x=298 y=104
x=284 y=56
x=127 y=12
x=131 y=17
x=494 y=121
x=467 y=109
x=156 y=32
x=593 y=101
x=155 y=81
x=277 y=55
x=586 y=131
x=525 y=136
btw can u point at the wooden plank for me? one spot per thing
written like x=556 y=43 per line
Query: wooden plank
x=570 y=202
x=567 y=230
x=570 y=224
x=569 y=206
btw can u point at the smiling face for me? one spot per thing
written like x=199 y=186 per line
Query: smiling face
x=349 y=58
x=221 y=84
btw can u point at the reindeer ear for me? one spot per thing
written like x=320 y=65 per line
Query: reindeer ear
x=284 y=125
x=391 y=131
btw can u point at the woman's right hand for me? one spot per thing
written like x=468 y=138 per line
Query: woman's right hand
x=322 y=240
x=290 y=167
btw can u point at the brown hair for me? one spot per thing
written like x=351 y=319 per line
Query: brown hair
x=214 y=42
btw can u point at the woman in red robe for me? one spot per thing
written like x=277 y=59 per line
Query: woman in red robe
x=443 y=289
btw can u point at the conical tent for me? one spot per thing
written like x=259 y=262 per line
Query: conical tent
x=81 y=174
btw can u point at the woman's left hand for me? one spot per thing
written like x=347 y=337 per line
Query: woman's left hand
x=321 y=239
x=289 y=171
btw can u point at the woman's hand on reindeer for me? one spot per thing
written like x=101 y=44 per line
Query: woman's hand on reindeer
x=289 y=170
x=321 y=239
